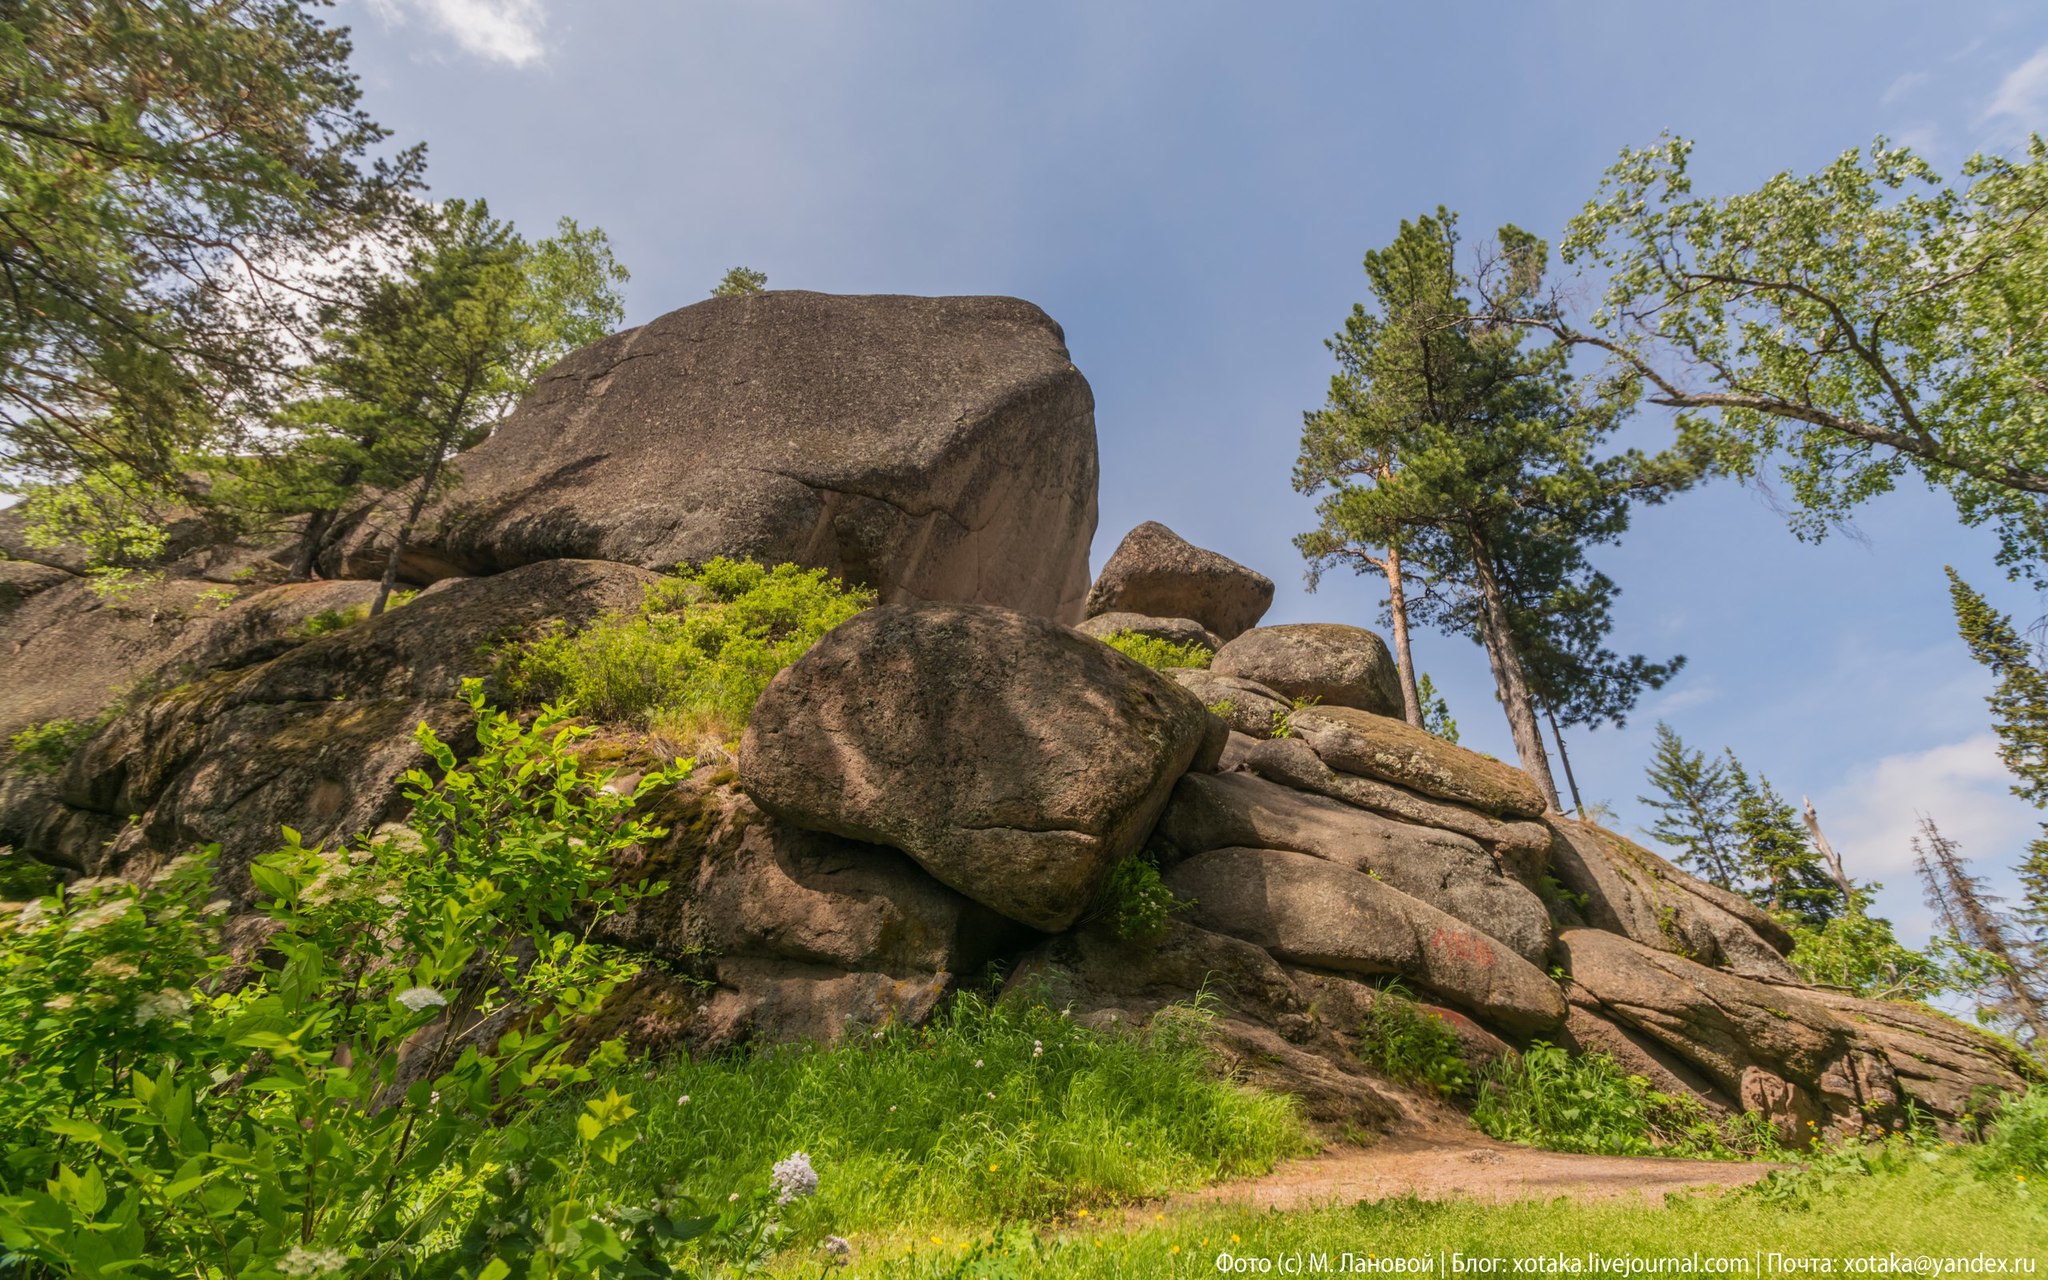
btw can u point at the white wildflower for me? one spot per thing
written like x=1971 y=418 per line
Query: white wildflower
x=1038 y=1048
x=109 y=967
x=837 y=1248
x=733 y=1198
x=683 y=1101
x=218 y=907
x=793 y=1178
x=103 y=913
x=302 y=1261
x=31 y=916
x=418 y=998
x=977 y=1064
x=892 y=1108
x=169 y=1003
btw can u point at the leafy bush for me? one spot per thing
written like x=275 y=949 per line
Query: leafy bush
x=696 y=655
x=347 y=1103
x=1412 y=1044
x=48 y=746
x=1548 y=1098
x=2017 y=1145
x=1156 y=653
x=328 y=621
x=1135 y=900
x=1858 y=951
x=991 y=1111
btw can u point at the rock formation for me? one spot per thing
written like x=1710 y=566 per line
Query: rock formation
x=935 y=449
x=949 y=780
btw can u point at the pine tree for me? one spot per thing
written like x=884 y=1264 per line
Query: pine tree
x=1784 y=871
x=1696 y=815
x=1968 y=914
x=2019 y=716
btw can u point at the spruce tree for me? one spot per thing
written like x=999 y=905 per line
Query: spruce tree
x=1970 y=916
x=1785 y=872
x=1695 y=809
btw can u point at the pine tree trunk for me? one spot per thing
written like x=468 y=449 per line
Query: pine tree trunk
x=1404 y=656
x=1564 y=758
x=412 y=516
x=315 y=533
x=1510 y=678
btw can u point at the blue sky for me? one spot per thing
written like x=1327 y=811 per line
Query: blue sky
x=1189 y=189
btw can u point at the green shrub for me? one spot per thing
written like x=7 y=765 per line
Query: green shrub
x=990 y=1112
x=1135 y=900
x=1858 y=951
x=1545 y=1097
x=1156 y=653
x=48 y=746
x=328 y=621
x=2016 y=1148
x=695 y=656
x=352 y=1102
x=1412 y=1044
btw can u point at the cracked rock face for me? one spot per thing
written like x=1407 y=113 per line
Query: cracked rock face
x=1014 y=759
x=935 y=449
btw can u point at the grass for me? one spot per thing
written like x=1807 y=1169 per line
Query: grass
x=1411 y=1044
x=1135 y=900
x=1156 y=653
x=1934 y=1209
x=991 y=1113
x=692 y=660
x=1547 y=1098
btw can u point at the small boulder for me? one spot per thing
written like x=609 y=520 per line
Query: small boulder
x=1375 y=746
x=1247 y=707
x=1323 y=662
x=1181 y=631
x=1305 y=910
x=1014 y=759
x=1443 y=869
x=1156 y=572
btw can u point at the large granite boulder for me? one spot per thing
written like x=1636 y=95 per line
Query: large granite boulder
x=1014 y=759
x=935 y=449
x=1327 y=663
x=1623 y=888
x=1376 y=746
x=1309 y=911
x=1445 y=870
x=316 y=737
x=1523 y=847
x=1156 y=572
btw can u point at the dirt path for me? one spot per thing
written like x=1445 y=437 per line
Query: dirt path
x=1444 y=1165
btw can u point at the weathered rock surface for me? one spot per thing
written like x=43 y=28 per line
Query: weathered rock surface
x=1246 y=706
x=1440 y=868
x=1155 y=571
x=1522 y=847
x=936 y=449
x=1324 y=662
x=1942 y=1064
x=1341 y=1002
x=1308 y=911
x=1625 y=889
x=1016 y=760
x=742 y=884
x=1182 y=631
x=1391 y=750
x=316 y=737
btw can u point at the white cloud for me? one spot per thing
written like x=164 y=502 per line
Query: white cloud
x=1695 y=695
x=1872 y=815
x=1904 y=85
x=498 y=30
x=2023 y=94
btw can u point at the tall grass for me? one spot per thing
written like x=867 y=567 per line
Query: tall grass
x=990 y=1113
x=1548 y=1098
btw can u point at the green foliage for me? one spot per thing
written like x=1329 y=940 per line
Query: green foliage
x=1002 y=1112
x=1858 y=951
x=348 y=1102
x=1412 y=1044
x=1436 y=713
x=150 y=153
x=1545 y=1097
x=1159 y=654
x=1784 y=870
x=740 y=282
x=695 y=656
x=47 y=746
x=2016 y=1147
x=1135 y=900
x=1854 y=324
x=1695 y=808
x=328 y=621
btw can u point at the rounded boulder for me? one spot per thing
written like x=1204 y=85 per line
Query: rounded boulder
x=1156 y=572
x=1016 y=760
x=1327 y=663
